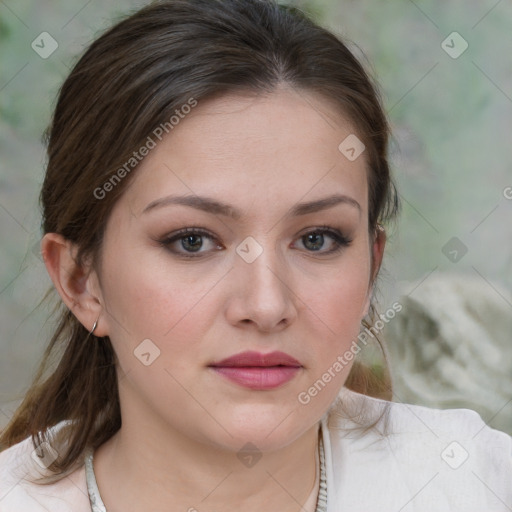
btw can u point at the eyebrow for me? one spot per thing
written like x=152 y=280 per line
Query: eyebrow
x=210 y=205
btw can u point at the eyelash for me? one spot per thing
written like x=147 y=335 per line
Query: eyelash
x=340 y=240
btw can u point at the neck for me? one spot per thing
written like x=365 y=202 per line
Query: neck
x=146 y=467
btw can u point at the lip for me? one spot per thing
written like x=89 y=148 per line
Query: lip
x=255 y=370
x=252 y=358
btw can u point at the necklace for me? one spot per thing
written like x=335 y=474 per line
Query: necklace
x=98 y=506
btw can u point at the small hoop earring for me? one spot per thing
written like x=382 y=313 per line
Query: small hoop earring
x=94 y=326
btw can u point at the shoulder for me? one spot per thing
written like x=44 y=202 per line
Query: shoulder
x=20 y=466
x=353 y=410
x=446 y=459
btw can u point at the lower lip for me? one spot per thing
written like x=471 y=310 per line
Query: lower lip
x=258 y=377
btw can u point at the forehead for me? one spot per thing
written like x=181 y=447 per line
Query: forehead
x=261 y=150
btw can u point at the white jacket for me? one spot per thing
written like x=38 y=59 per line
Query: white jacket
x=428 y=460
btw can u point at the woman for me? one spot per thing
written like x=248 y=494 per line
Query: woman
x=213 y=205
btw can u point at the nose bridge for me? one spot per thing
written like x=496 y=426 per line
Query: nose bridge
x=260 y=261
x=262 y=279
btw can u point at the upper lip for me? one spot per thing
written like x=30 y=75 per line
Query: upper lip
x=252 y=358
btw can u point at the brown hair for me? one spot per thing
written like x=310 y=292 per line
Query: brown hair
x=128 y=82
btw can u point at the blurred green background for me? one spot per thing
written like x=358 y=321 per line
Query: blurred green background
x=451 y=118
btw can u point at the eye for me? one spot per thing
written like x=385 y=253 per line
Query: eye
x=315 y=240
x=190 y=240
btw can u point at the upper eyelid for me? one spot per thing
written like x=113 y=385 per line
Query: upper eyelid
x=205 y=232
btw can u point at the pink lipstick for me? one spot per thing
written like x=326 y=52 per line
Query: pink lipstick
x=254 y=370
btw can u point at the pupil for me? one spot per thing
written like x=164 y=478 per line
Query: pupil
x=189 y=239
x=319 y=238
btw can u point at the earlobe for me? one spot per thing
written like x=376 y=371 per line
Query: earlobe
x=72 y=281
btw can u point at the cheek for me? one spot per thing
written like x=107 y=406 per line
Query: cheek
x=335 y=312
x=340 y=300
x=162 y=316
x=335 y=317
x=152 y=299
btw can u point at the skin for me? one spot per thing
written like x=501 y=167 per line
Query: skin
x=183 y=424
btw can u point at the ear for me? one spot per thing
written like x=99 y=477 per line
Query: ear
x=78 y=286
x=379 y=242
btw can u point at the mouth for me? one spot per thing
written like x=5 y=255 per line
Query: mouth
x=258 y=371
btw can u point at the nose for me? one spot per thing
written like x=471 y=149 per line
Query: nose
x=261 y=294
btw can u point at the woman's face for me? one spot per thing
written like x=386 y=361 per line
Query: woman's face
x=277 y=258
